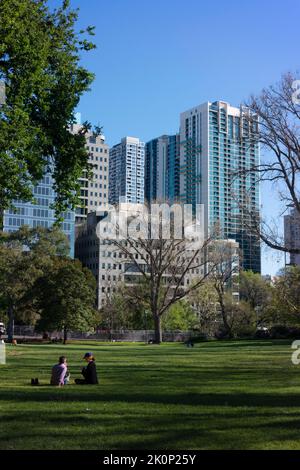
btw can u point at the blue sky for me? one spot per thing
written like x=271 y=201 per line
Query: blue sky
x=155 y=59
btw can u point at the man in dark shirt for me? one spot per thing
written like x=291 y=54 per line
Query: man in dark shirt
x=89 y=372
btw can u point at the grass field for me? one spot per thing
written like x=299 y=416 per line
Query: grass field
x=218 y=395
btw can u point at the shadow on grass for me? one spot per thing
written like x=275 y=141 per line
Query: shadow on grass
x=161 y=431
x=85 y=394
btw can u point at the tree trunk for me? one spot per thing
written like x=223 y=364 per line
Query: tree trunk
x=11 y=324
x=224 y=315
x=157 y=328
x=65 y=335
x=225 y=322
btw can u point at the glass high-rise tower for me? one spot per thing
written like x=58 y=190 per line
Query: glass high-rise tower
x=162 y=164
x=39 y=213
x=215 y=142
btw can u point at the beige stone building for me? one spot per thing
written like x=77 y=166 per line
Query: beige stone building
x=93 y=192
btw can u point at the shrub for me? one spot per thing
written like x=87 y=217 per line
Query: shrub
x=284 y=332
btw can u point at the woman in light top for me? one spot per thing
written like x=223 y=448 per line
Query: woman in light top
x=60 y=374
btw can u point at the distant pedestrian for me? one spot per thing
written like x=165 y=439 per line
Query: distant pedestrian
x=89 y=372
x=60 y=374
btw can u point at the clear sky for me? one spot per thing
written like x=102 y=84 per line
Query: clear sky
x=155 y=59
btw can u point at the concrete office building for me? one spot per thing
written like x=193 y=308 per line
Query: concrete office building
x=93 y=192
x=109 y=264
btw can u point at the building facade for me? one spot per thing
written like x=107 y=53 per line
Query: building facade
x=93 y=192
x=104 y=260
x=216 y=142
x=39 y=213
x=162 y=165
x=111 y=266
x=292 y=235
x=126 y=174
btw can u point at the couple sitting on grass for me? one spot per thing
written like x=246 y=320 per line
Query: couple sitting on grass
x=60 y=375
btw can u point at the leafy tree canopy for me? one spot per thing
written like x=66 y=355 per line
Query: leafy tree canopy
x=254 y=289
x=40 y=67
x=24 y=256
x=66 y=297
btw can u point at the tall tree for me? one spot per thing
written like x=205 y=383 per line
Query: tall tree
x=39 y=240
x=40 y=54
x=257 y=292
x=277 y=111
x=18 y=271
x=24 y=256
x=164 y=261
x=205 y=303
x=286 y=296
x=180 y=316
x=65 y=297
x=224 y=277
x=240 y=317
x=126 y=307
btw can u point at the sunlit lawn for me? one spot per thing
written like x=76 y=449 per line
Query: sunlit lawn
x=217 y=395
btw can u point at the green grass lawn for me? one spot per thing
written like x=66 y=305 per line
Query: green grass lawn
x=218 y=395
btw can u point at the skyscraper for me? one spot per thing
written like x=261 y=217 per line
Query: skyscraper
x=39 y=214
x=126 y=171
x=162 y=164
x=93 y=191
x=215 y=142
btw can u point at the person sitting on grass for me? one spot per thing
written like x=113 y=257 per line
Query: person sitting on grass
x=89 y=372
x=60 y=376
